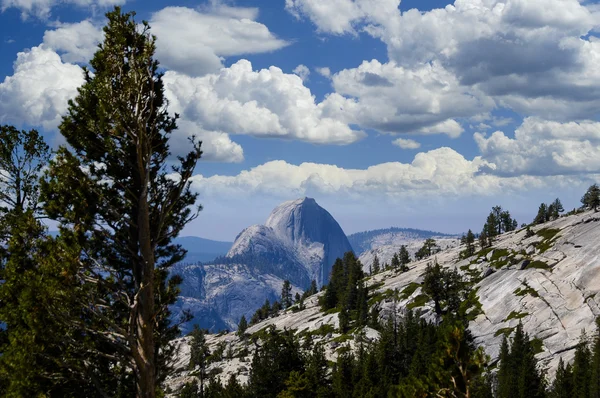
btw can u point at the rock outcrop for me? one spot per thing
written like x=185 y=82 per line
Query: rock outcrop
x=299 y=242
x=548 y=280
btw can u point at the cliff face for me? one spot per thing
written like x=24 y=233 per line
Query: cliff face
x=299 y=242
x=301 y=230
x=548 y=279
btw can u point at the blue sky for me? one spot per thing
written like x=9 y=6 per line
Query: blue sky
x=387 y=114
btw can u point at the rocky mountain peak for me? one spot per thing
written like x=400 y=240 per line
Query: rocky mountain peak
x=305 y=231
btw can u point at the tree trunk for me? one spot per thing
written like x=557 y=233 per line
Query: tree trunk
x=145 y=361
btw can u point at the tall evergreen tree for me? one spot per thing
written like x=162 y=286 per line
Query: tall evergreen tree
x=242 y=326
x=404 y=258
x=114 y=194
x=581 y=369
x=286 y=294
x=562 y=386
x=199 y=353
x=591 y=199
x=375 y=266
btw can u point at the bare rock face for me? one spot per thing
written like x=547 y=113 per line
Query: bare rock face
x=299 y=242
x=301 y=230
x=550 y=282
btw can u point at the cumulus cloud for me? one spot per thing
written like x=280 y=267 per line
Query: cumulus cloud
x=195 y=41
x=42 y=8
x=406 y=143
x=439 y=172
x=76 y=42
x=532 y=56
x=394 y=99
x=542 y=147
x=265 y=103
x=324 y=71
x=302 y=71
x=216 y=145
x=39 y=90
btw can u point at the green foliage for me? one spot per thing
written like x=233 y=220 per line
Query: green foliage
x=538 y=265
x=526 y=289
x=445 y=287
x=518 y=372
x=286 y=294
x=242 y=326
x=515 y=315
x=347 y=292
x=428 y=249
x=591 y=199
x=469 y=242
x=375 y=266
x=497 y=222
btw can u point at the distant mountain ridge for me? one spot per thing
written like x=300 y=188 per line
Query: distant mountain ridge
x=201 y=249
x=299 y=242
x=363 y=241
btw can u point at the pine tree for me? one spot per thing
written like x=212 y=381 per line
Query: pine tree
x=562 y=387
x=557 y=208
x=286 y=294
x=581 y=369
x=542 y=214
x=591 y=199
x=199 y=354
x=404 y=258
x=113 y=192
x=595 y=364
x=395 y=263
x=242 y=326
x=375 y=267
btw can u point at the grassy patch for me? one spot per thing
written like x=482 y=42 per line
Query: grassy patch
x=526 y=289
x=515 y=315
x=537 y=344
x=343 y=338
x=375 y=286
x=504 y=331
x=499 y=253
x=419 y=301
x=328 y=312
x=484 y=252
x=408 y=290
x=380 y=296
x=549 y=236
x=538 y=264
x=323 y=330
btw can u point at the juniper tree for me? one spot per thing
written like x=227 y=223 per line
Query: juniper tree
x=114 y=194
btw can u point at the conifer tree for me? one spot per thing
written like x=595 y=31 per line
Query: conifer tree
x=404 y=258
x=591 y=199
x=376 y=266
x=114 y=194
x=562 y=387
x=595 y=364
x=242 y=326
x=395 y=263
x=286 y=294
x=581 y=369
x=199 y=354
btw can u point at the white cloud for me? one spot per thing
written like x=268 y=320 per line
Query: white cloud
x=394 y=99
x=324 y=71
x=441 y=173
x=543 y=147
x=42 y=8
x=216 y=146
x=38 y=91
x=532 y=56
x=265 y=103
x=406 y=143
x=194 y=42
x=302 y=71
x=76 y=42
x=332 y=16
